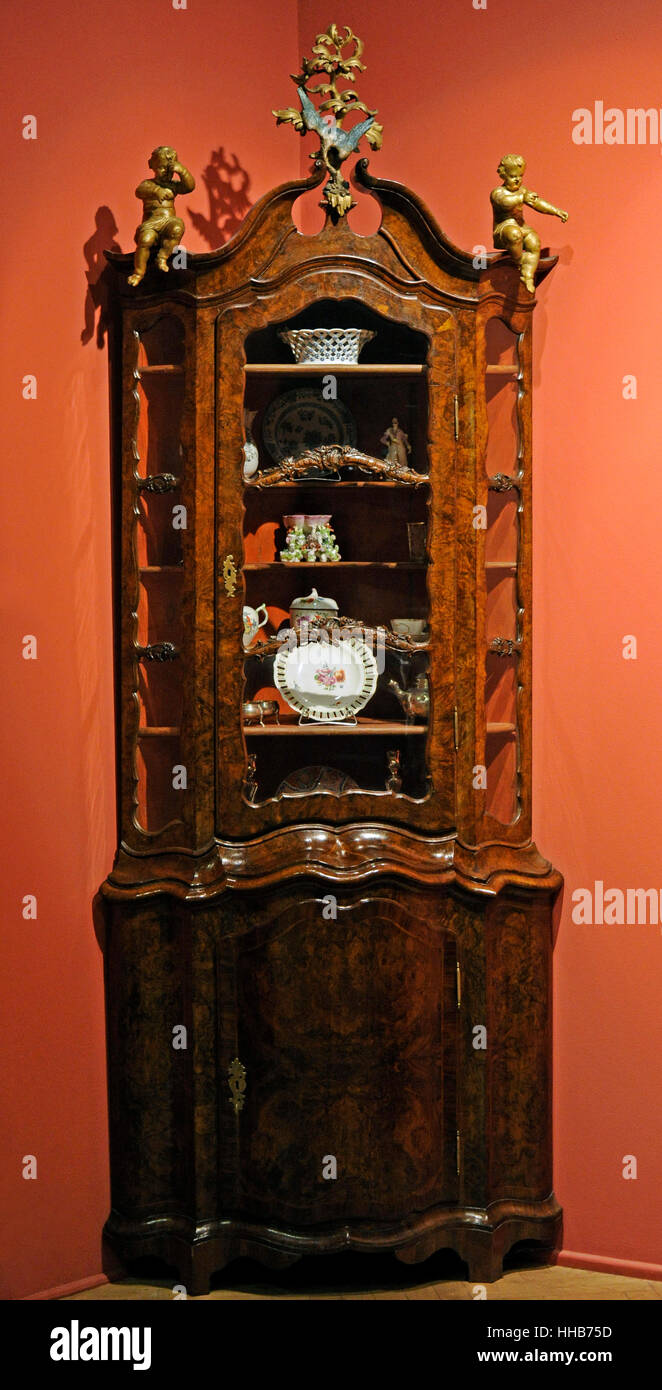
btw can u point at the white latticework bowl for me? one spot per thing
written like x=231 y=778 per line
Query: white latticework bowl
x=326 y=344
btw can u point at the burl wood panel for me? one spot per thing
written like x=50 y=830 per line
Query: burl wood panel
x=147 y=991
x=347 y=1029
x=519 y=954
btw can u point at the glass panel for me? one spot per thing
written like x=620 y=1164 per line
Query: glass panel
x=161 y=781
x=502 y=461
x=335 y=699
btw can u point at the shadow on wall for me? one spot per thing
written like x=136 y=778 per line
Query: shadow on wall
x=227 y=184
x=96 y=295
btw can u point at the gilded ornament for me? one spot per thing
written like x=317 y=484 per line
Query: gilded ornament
x=237 y=1084
x=336 y=144
x=160 y=228
x=230 y=575
x=511 y=232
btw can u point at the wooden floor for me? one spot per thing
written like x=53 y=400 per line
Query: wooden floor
x=349 y=1278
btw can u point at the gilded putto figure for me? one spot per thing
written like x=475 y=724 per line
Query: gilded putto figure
x=160 y=227
x=511 y=232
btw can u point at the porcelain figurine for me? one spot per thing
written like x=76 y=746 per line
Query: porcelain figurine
x=309 y=538
x=398 y=445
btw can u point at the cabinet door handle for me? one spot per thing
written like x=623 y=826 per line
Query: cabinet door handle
x=237 y=1084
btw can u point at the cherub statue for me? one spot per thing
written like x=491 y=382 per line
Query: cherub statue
x=511 y=232
x=398 y=445
x=160 y=227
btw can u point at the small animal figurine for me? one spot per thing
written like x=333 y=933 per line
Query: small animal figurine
x=160 y=227
x=511 y=232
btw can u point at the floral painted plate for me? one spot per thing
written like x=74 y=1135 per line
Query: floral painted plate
x=327 y=681
x=308 y=781
x=302 y=419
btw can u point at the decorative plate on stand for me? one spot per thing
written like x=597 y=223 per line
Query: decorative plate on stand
x=302 y=419
x=327 y=682
x=308 y=781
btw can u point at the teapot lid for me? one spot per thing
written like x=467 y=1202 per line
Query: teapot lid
x=314 y=603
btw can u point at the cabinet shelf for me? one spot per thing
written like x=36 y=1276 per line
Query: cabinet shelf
x=290 y=728
x=335 y=368
x=161 y=369
x=307 y=483
x=501 y=565
x=337 y=565
x=161 y=569
x=502 y=728
x=497 y=369
x=159 y=731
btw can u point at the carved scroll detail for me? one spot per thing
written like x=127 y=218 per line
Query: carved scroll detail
x=501 y=482
x=504 y=646
x=157 y=651
x=393 y=779
x=329 y=459
x=158 y=482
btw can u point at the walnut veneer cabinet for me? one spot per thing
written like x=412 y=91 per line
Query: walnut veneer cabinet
x=328 y=947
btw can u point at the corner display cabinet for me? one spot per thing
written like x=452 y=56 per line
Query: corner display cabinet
x=328 y=934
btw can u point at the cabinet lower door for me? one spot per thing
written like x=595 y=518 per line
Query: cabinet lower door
x=343 y=1014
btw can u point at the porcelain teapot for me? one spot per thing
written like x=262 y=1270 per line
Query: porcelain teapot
x=416 y=700
x=252 y=623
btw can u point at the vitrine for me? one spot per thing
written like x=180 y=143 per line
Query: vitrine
x=328 y=932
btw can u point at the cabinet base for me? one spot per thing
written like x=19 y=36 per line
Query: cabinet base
x=481 y=1237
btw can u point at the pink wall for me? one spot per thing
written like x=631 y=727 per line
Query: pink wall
x=456 y=88
x=106 y=83
x=465 y=86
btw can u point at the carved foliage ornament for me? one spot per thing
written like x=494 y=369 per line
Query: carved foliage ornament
x=336 y=144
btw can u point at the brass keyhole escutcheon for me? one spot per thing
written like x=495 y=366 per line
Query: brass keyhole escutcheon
x=230 y=575
x=237 y=1084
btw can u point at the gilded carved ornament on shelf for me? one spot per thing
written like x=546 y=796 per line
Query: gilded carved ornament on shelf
x=329 y=459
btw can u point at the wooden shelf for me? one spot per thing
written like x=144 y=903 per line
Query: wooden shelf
x=338 y=565
x=501 y=564
x=290 y=727
x=161 y=369
x=159 y=731
x=334 y=368
x=499 y=370
x=161 y=569
x=300 y=483
x=501 y=728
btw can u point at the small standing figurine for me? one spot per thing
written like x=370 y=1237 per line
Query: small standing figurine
x=160 y=227
x=511 y=232
x=398 y=445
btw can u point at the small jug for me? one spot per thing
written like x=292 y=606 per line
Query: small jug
x=252 y=623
